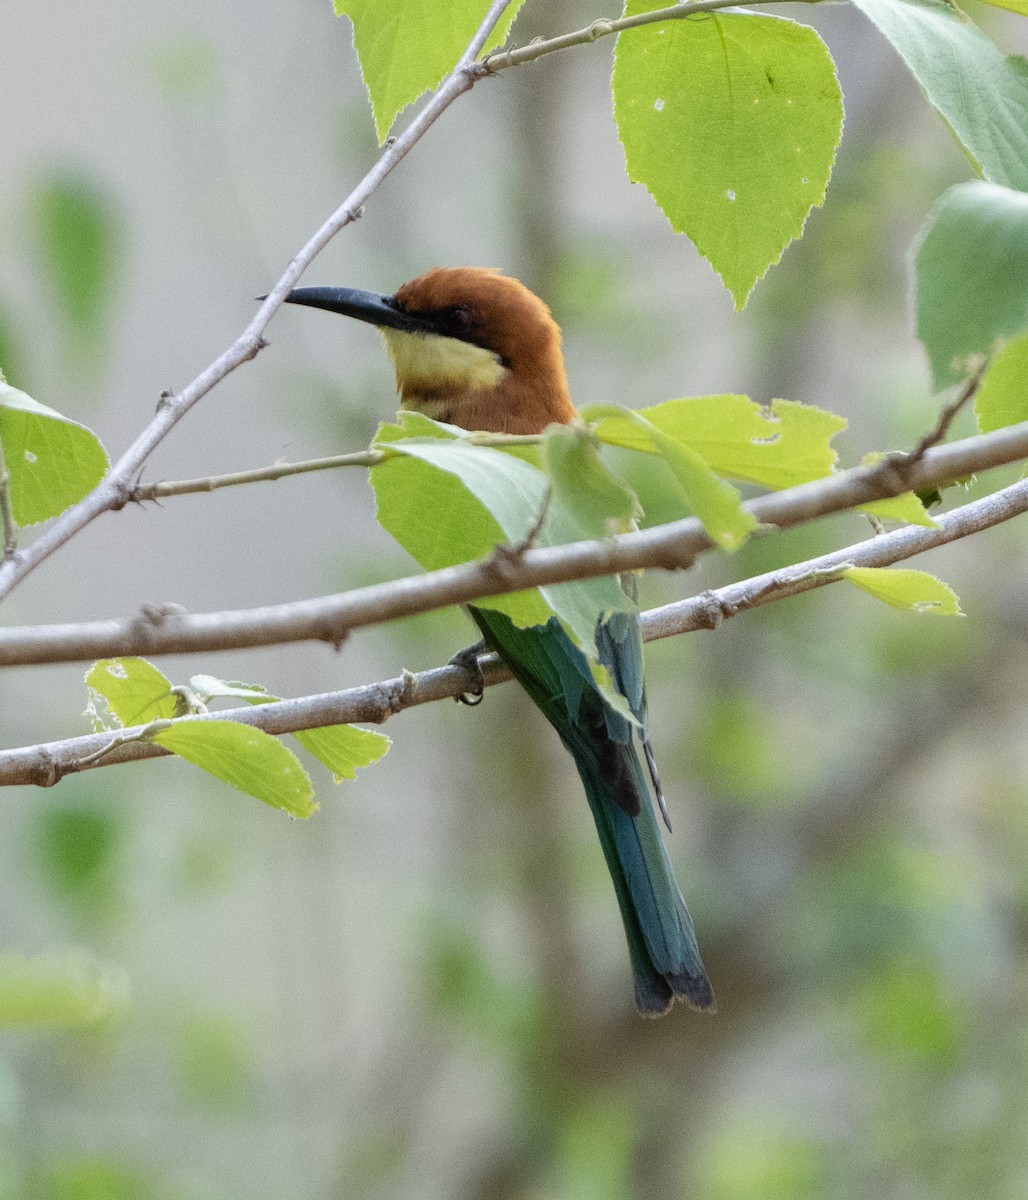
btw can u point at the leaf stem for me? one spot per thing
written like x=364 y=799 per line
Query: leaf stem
x=500 y=60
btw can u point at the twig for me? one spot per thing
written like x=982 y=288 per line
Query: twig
x=45 y=764
x=165 y=630
x=500 y=60
x=358 y=458
x=938 y=432
x=116 y=487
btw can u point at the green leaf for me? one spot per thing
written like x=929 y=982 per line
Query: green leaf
x=777 y=446
x=971 y=277
x=79 y=238
x=52 y=461
x=245 y=757
x=908 y=508
x=136 y=692
x=1017 y=6
x=447 y=501
x=731 y=121
x=406 y=47
x=341 y=748
x=982 y=96
x=600 y=502
x=1002 y=397
x=911 y=591
x=716 y=503
x=58 y=992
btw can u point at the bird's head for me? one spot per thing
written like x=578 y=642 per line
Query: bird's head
x=469 y=346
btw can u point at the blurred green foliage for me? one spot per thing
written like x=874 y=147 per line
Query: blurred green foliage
x=79 y=238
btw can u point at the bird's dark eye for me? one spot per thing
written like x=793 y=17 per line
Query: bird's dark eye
x=462 y=319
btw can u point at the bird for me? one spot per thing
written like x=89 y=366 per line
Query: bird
x=476 y=348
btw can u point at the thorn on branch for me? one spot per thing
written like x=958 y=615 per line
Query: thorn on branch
x=335 y=635
x=164 y=400
x=125 y=493
x=155 y=615
x=253 y=348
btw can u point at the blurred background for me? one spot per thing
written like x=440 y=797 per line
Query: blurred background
x=423 y=991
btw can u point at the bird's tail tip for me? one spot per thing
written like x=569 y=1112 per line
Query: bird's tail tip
x=655 y=995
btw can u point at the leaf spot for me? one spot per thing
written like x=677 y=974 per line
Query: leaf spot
x=730 y=193
x=658 y=105
x=30 y=457
x=117 y=670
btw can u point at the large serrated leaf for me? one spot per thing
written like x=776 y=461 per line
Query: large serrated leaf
x=778 y=445
x=982 y=95
x=731 y=120
x=406 y=47
x=52 y=461
x=245 y=757
x=971 y=277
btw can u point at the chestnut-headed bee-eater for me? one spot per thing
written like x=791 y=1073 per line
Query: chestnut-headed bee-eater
x=477 y=349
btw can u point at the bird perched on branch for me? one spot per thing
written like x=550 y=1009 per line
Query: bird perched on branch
x=477 y=349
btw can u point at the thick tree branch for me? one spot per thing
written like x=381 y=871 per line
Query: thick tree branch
x=116 y=487
x=46 y=764
x=331 y=618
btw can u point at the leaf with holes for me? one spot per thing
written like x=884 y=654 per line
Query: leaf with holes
x=731 y=120
x=135 y=691
x=52 y=461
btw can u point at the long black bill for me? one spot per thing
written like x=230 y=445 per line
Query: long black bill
x=364 y=306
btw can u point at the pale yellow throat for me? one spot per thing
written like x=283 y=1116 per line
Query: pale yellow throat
x=432 y=370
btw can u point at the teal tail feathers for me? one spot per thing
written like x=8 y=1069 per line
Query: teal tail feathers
x=608 y=750
x=665 y=958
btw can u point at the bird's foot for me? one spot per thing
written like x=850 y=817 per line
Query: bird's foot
x=467 y=660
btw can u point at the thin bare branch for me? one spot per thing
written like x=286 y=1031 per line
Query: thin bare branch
x=166 y=630
x=116 y=487
x=357 y=458
x=45 y=764
x=949 y=413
